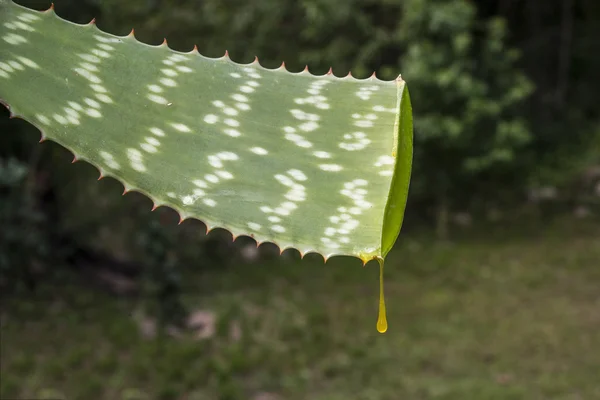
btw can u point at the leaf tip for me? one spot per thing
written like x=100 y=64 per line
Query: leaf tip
x=92 y=22
x=330 y=72
x=226 y=55
x=164 y=43
x=131 y=34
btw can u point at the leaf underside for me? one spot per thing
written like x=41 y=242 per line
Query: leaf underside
x=317 y=163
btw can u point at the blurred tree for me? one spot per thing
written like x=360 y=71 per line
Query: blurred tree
x=562 y=55
x=466 y=90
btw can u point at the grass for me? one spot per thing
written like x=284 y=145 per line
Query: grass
x=508 y=316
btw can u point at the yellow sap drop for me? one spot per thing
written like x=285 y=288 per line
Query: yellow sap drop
x=381 y=319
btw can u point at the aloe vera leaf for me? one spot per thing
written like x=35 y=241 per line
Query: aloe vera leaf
x=318 y=163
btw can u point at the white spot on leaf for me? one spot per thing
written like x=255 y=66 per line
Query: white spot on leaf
x=330 y=167
x=259 y=150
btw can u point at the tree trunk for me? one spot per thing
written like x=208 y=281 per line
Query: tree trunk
x=442 y=217
x=564 y=55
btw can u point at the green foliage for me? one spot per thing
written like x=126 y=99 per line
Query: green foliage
x=463 y=75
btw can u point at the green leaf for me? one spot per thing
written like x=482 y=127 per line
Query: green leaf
x=318 y=163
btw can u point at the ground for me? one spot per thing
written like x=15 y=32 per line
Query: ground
x=502 y=315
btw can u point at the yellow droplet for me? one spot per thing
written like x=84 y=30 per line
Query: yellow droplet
x=381 y=319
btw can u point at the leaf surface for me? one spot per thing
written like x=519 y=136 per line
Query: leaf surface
x=318 y=163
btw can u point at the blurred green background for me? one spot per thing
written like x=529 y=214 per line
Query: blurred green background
x=493 y=289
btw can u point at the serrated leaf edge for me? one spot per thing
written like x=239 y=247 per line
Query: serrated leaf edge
x=364 y=257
